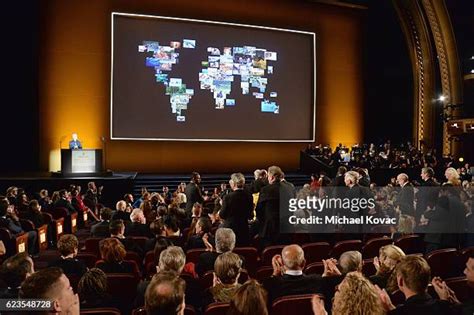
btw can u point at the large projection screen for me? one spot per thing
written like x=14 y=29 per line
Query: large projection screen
x=191 y=80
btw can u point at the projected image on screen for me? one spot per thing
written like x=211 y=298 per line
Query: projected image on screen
x=175 y=79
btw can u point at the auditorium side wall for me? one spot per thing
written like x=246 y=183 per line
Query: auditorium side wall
x=74 y=82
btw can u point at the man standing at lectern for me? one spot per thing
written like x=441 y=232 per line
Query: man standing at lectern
x=75 y=144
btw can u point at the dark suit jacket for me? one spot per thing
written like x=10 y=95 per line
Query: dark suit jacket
x=292 y=285
x=122 y=215
x=427 y=195
x=406 y=200
x=237 y=208
x=138 y=229
x=193 y=195
x=257 y=185
x=268 y=210
x=422 y=304
x=100 y=229
x=70 y=266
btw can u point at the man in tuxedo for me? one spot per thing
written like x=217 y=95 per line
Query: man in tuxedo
x=288 y=277
x=75 y=144
x=237 y=209
x=193 y=192
x=406 y=195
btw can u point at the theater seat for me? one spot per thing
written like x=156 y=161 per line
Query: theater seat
x=192 y=255
x=102 y=311
x=263 y=273
x=316 y=252
x=269 y=252
x=410 y=244
x=295 y=304
x=14 y=244
x=371 y=248
x=88 y=258
x=250 y=255
x=92 y=245
x=189 y=310
x=444 y=263
x=122 y=286
x=217 y=309
x=315 y=268
x=134 y=257
x=344 y=246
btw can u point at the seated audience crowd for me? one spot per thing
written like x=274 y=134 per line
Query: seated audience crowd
x=189 y=249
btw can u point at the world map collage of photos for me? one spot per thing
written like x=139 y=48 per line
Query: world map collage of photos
x=248 y=62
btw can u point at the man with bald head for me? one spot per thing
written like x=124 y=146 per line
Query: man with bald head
x=165 y=295
x=288 y=277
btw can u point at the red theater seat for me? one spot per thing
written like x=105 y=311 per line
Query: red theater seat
x=268 y=254
x=122 y=286
x=263 y=273
x=410 y=244
x=316 y=252
x=217 y=309
x=192 y=255
x=345 y=246
x=444 y=263
x=250 y=255
x=88 y=258
x=371 y=248
x=315 y=268
x=296 y=304
x=92 y=245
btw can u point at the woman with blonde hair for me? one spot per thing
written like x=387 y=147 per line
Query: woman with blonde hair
x=385 y=264
x=452 y=176
x=354 y=296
